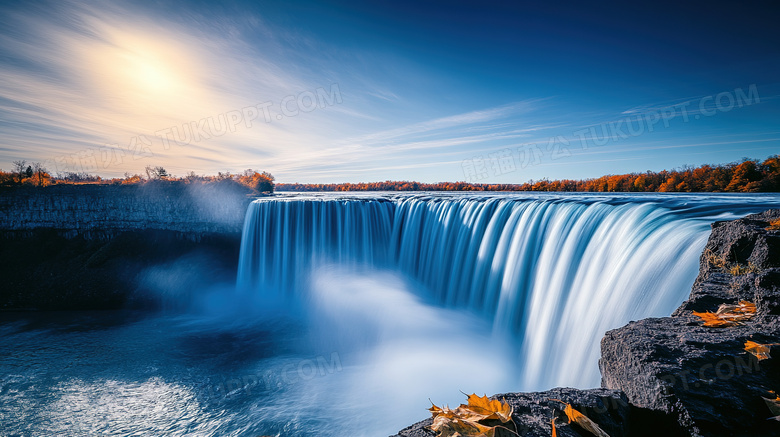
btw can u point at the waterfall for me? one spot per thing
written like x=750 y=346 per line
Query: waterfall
x=551 y=273
x=283 y=239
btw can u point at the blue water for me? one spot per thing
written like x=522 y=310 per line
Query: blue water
x=351 y=311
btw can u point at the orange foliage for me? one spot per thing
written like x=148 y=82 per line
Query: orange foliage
x=747 y=176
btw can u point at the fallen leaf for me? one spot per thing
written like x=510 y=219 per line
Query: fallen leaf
x=742 y=309
x=582 y=420
x=491 y=409
x=774 y=406
x=727 y=314
x=711 y=320
x=456 y=427
x=465 y=421
x=760 y=351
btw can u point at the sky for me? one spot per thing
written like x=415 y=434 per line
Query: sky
x=357 y=91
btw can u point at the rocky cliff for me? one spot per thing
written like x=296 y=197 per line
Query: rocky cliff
x=672 y=376
x=101 y=246
x=94 y=210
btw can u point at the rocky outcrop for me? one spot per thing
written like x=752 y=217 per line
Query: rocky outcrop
x=533 y=412
x=702 y=377
x=103 y=210
x=741 y=261
x=109 y=246
x=672 y=376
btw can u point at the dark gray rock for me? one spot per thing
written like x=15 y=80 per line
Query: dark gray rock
x=745 y=243
x=702 y=377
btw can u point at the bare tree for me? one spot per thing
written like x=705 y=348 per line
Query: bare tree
x=155 y=173
x=192 y=177
x=19 y=169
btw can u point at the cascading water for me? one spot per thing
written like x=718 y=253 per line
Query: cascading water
x=553 y=274
x=282 y=239
x=352 y=311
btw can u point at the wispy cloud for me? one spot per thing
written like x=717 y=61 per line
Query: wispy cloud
x=82 y=77
x=109 y=75
x=433 y=141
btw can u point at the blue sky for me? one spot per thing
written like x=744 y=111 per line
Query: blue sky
x=342 y=91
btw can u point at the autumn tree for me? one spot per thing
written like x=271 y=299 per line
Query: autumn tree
x=770 y=170
x=40 y=173
x=746 y=178
x=265 y=182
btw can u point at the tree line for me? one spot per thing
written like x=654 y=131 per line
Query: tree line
x=34 y=174
x=747 y=176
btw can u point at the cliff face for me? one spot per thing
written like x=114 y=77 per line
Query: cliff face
x=105 y=247
x=94 y=210
x=677 y=377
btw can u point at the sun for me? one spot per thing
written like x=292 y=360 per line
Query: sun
x=152 y=75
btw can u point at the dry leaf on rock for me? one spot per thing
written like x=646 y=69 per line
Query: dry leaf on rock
x=760 y=351
x=774 y=406
x=468 y=419
x=727 y=315
x=491 y=409
x=582 y=420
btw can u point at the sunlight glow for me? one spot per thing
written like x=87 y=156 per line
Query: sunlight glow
x=153 y=75
x=141 y=70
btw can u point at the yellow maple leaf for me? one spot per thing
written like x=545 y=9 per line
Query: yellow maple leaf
x=582 y=420
x=491 y=409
